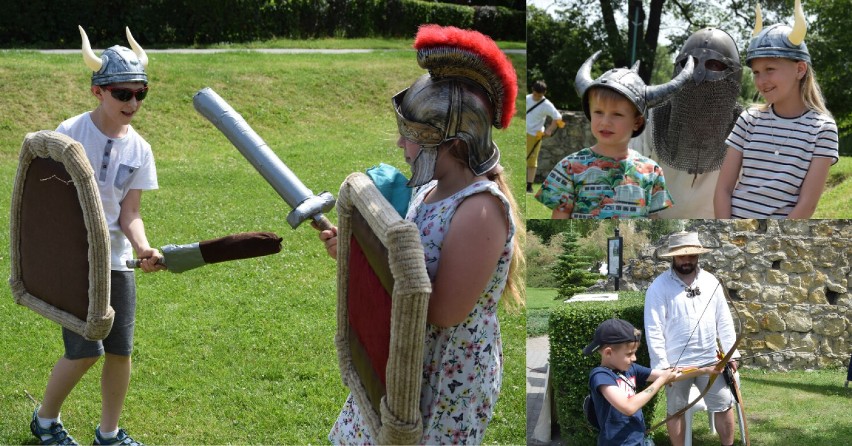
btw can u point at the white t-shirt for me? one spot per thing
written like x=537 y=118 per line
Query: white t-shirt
x=537 y=117
x=120 y=164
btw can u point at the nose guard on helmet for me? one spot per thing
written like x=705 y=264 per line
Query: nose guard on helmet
x=707 y=45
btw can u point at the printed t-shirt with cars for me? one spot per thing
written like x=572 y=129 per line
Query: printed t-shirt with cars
x=589 y=185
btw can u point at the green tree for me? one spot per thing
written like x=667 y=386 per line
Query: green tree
x=571 y=271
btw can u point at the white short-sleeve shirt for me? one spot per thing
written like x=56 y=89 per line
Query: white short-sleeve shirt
x=120 y=164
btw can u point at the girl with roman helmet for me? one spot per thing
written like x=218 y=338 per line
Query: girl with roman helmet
x=124 y=166
x=468 y=226
x=779 y=152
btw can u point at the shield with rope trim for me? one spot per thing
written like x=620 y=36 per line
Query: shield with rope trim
x=56 y=222
x=383 y=297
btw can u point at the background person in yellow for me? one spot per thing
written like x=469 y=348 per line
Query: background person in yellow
x=538 y=109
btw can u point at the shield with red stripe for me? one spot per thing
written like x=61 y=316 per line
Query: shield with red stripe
x=383 y=297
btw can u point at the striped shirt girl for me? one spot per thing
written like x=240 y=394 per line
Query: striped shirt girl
x=776 y=155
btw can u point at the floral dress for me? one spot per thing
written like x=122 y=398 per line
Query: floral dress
x=462 y=365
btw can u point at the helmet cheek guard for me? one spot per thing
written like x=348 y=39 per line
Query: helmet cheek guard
x=471 y=86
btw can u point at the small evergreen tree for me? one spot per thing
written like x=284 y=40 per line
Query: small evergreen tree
x=571 y=271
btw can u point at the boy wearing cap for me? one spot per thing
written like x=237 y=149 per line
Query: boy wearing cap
x=608 y=180
x=124 y=166
x=613 y=385
x=685 y=313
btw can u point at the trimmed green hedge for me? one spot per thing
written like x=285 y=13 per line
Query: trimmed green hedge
x=160 y=23
x=570 y=328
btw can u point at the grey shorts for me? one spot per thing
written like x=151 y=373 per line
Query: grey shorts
x=122 y=298
x=718 y=399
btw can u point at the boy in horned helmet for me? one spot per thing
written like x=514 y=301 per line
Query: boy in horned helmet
x=124 y=166
x=608 y=180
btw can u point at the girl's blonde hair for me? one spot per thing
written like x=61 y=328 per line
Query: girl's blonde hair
x=515 y=289
x=809 y=91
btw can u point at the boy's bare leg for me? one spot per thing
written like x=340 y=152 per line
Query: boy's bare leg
x=115 y=380
x=63 y=378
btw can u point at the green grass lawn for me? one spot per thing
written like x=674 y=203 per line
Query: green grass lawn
x=784 y=408
x=239 y=352
x=835 y=202
x=539 y=303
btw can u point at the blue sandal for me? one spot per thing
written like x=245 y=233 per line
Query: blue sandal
x=58 y=434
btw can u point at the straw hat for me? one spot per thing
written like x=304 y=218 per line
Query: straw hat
x=684 y=244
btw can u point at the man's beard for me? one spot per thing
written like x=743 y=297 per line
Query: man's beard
x=684 y=268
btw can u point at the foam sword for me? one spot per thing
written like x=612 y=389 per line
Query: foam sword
x=304 y=204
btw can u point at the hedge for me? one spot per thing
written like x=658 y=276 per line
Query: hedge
x=162 y=23
x=570 y=328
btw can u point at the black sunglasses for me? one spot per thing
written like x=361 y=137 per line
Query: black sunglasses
x=125 y=94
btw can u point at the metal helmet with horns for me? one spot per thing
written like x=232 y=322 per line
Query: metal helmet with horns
x=779 y=40
x=630 y=85
x=117 y=63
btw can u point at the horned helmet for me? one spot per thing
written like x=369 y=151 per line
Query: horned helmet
x=471 y=86
x=779 y=40
x=117 y=63
x=627 y=82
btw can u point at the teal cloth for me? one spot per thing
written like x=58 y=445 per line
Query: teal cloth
x=393 y=186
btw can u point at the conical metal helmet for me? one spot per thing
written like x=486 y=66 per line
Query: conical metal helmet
x=707 y=45
x=630 y=85
x=117 y=63
x=779 y=40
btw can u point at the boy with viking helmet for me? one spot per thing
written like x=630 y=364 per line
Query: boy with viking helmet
x=779 y=152
x=124 y=166
x=609 y=180
x=468 y=222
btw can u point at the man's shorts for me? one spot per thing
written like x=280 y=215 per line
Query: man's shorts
x=120 y=339
x=718 y=399
x=532 y=150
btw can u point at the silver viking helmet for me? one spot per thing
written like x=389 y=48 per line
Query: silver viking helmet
x=630 y=85
x=117 y=63
x=708 y=45
x=779 y=40
x=471 y=86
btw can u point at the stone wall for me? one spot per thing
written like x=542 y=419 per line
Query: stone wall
x=789 y=280
x=575 y=135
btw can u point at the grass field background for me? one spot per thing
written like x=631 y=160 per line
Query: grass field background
x=239 y=352
x=835 y=202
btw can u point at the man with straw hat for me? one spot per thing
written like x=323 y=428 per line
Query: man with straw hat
x=685 y=313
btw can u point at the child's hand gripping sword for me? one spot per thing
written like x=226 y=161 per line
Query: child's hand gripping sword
x=304 y=203
x=180 y=258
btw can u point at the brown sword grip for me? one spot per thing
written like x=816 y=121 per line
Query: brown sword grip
x=321 y=223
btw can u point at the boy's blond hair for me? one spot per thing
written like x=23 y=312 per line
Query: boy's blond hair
x=601 y=94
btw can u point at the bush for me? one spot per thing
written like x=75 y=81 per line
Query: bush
x=570 y=328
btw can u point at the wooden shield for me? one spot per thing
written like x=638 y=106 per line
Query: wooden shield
x=383 y=297
x=57 y=221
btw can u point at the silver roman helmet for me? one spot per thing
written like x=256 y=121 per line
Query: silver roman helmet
x=630 y=85
x=471 y=86
x=779 y=40
x=689 y=130
x=117 y=63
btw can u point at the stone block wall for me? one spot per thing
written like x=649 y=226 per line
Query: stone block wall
x=575 y=135
x=789 y=280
